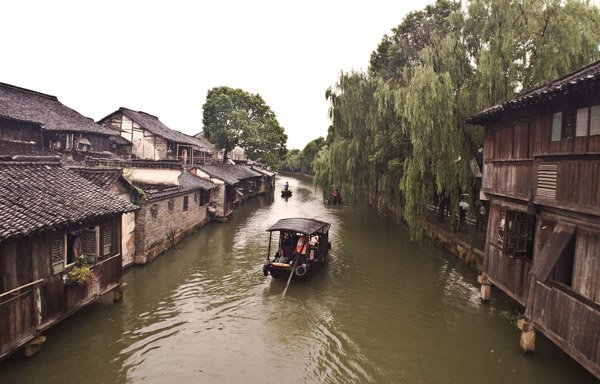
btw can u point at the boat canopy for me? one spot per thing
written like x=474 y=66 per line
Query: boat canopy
x=306 y=226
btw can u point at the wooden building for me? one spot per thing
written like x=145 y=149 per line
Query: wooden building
x=153 y=140
x=30 y=116
x=49 y=215
x=266 y=184
x=236 y=184
x=113 y=181
x=542 y=179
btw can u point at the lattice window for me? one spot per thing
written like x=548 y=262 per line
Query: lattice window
x=568 y=126
x=185 y=203
x=171 y=205
x=516 y=233
x=57 y=252
x=106 y=238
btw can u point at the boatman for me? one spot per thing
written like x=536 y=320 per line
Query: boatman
x=286 y=186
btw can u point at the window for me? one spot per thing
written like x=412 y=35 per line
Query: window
x=556 y=126
x=57 y=252
x=89 y=243
x=576 y=123
x=154 y=211
x=204 y=197
x=106 y=238
x=568 y=124
x=595 y=120
x=581 y=125
x=516 y=233
x=185 y=203
x=171 y=205
x=69 y=141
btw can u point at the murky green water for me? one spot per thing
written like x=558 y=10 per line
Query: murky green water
x=383 y=311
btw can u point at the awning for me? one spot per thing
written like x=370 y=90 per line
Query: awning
x=554 y=248
x=84 y=141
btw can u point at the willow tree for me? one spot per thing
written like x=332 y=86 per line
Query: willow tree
x=399 y=130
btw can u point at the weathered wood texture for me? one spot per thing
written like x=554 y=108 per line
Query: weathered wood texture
x=576 y=184
x=512 y=179
x=32 y=298
x=570 y=323
x=586 y=269
x=507 y=272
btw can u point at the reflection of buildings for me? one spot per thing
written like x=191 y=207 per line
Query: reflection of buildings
x=542 y=177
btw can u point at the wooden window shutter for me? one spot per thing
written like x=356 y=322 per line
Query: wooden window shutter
x=595 y=120
x=546 y=181
x=88 y=244
x=569 y=121
x=57 y=252
x=106 y=239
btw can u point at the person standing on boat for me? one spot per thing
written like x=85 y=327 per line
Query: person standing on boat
x=301 y=247
x=286 y=186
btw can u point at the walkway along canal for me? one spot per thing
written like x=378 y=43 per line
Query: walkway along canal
x=384 y=310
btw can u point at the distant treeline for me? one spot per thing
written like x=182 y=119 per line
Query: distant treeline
x=398 y=134
x=302 y=160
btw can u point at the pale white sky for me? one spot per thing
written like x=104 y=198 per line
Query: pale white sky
x=163 y=57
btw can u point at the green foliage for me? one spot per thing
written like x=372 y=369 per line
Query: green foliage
x=81 y=273
x=235 y=117
x=302 y=160
x=398 y=136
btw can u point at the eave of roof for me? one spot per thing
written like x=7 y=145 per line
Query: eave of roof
x=588 y=75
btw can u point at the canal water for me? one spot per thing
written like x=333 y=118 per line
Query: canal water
x=384 y=310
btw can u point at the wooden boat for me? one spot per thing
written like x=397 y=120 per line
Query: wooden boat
x=303 y=246
x=286 y=192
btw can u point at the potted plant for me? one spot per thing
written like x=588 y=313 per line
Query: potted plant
x=80 y=274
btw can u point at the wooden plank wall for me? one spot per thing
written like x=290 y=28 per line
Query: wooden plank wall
x=16 y=309
x=586 y=269
x=578 y=183
x=509 y=273
x=570 y=323
x=513 y=178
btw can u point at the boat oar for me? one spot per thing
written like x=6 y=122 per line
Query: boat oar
x=291 y=274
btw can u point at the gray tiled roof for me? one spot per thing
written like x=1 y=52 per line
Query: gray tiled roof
x=187 y=183
x=41 y=195
x=229 y=173
x=154 y=125
x=586 y=76
x=102 y=177
x=187 y=180
x=46 y=110
x=263 y=171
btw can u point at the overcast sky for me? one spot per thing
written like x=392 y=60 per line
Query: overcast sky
x=162 y=58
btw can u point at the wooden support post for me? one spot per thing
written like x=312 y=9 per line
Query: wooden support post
x=527 y=342
x=486 y=287
x=34 y=346
x=118 y=292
